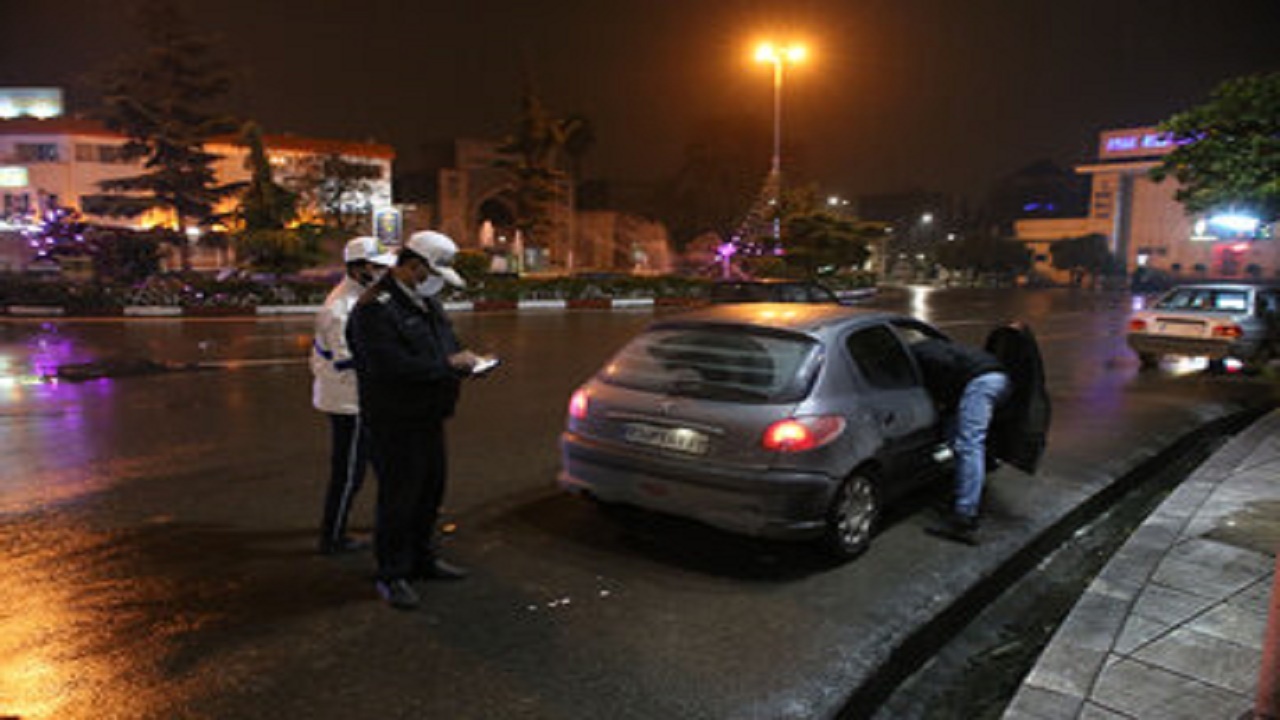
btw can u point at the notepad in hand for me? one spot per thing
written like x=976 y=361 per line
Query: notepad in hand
x=484 y=365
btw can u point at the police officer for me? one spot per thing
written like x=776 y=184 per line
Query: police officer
x=334 y=391
x=409 y=364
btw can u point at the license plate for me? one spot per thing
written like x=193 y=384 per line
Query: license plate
x=679 y=439
x=1182 y=329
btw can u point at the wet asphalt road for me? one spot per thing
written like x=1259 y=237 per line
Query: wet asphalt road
x=157 y=535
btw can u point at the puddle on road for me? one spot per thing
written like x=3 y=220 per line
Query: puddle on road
x=1256 y=527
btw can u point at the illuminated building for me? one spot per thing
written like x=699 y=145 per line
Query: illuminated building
x=60 y=161
x=1146 y=227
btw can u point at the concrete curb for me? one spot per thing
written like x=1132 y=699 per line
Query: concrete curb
x=932 y=633
x=166 y=311
x=1174 y=623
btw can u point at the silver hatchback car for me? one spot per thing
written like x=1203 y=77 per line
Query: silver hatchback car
x=1213 y=321
x=776 y=420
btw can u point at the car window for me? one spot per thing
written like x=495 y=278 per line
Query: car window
x=912 y=332
x=717 y=364
x=793 y=293
x=882 y=359
x=817 y=293
x=1205 y=300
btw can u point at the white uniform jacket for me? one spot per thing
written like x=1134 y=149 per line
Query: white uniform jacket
x=334 y=390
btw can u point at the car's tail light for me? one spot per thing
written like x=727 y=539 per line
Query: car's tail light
x=1137 y=325
x=802 y=433
x=578 y=404
x=1228 y=331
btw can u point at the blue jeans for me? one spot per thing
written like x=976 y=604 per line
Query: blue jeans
x=968 y=436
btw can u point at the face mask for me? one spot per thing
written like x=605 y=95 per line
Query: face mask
x=365 y=276
x=431 y=286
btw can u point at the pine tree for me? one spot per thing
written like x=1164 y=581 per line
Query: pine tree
x=164 y=100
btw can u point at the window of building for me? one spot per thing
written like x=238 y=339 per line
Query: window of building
x=95 y=153
x=37 y=152
x=17 y=204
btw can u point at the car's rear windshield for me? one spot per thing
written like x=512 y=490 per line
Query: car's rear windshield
x=1205 y=300
x=717 y=363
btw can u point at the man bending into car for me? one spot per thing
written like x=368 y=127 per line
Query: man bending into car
x=967 y=385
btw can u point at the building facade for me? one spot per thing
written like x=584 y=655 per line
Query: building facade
x=60 y=162
x=1146 y=227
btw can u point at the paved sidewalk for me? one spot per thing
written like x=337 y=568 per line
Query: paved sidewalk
x=1173 y=626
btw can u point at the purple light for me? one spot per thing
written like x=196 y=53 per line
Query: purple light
x=778 y=250
x=726 y=250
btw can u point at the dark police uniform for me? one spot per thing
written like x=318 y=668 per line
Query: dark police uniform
x=401 y=346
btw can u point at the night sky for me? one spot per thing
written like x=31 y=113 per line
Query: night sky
x=938 y=94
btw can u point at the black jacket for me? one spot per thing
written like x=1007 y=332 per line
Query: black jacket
x=401 y=354
x=948 y=367
x=1020 y=429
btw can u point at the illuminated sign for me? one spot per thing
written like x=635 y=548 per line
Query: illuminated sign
x=388 y=223
x=30 y=102
x=13 y=176
x=1230 y=226
x=1138 y=142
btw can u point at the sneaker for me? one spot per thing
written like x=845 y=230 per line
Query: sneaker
x=398 y=593
x=955 y=527
x=439 y=569
x=342 y=546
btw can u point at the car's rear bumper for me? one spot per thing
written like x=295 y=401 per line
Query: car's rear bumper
x=1147 y=343
x=753 y=501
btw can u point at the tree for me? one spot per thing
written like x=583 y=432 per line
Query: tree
x=265 y=204
x=532 y=157
x=984 y=254
x=580 y=137
x=124 y=255
x=1085 y=255
x=818 y=241
x=1228 y=150
x=719 y=178
x=264 y=240
x=163 y=100
x=339 y=189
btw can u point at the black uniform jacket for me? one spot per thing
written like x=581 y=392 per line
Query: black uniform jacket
x=948 y=367
x=401 y=354
x=1020 y=428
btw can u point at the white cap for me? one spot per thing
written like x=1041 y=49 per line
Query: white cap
x=368 y=249
x=438 y=250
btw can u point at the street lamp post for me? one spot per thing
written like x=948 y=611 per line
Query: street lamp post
x=779 y=56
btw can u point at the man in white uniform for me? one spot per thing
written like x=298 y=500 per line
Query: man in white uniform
x=334 y=392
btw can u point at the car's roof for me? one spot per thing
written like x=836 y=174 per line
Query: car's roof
x=766 y=281
x=795 y=317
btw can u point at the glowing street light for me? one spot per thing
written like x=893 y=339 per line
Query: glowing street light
x=779 y=56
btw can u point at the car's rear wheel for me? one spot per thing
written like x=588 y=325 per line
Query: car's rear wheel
x=852 y=516
x=1147 y=361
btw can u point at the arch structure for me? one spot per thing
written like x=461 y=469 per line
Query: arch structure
x=477 y=209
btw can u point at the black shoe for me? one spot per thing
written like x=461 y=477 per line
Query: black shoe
x=956 y=527
x=342 y=545
x=398 y=593
x=439 y=569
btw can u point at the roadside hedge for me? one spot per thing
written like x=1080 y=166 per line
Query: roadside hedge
x=194 y=290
